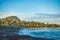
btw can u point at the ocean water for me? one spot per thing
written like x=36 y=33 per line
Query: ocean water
x=41 y=33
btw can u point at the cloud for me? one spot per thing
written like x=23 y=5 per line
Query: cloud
x=20 y=15
x=46 y=18
x=48 y=15
x=6 y=14
x=50 y=20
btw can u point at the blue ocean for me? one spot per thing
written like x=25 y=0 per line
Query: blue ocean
x=41 y=33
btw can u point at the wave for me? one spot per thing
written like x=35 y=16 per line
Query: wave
x=41 y=33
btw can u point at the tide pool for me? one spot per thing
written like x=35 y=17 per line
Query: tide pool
x=41 y=33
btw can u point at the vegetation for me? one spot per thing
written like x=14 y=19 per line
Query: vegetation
x=16 y=22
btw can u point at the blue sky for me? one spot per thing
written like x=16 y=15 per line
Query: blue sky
x=47 y=11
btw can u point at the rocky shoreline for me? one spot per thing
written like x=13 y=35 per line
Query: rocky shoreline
x=7 y=33
x=21 y=37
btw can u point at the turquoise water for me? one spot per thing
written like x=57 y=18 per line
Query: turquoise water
x=41 y=33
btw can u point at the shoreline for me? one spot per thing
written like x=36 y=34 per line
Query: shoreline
x=41 y=28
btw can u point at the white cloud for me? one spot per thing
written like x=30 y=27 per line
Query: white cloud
x=6 y=14
x=50 y=20
x=20 y=15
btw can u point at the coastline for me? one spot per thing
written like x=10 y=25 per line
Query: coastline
x=42 y=28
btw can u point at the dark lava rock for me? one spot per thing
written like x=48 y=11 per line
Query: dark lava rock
x=11 y=34
x=21 y=37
